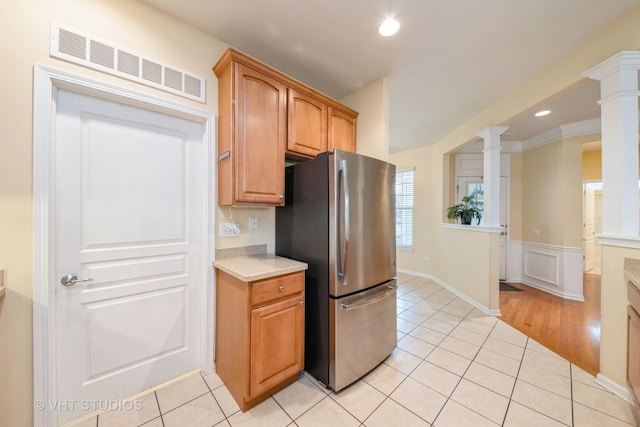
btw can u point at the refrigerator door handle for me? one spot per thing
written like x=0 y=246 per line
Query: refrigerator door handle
x=344 y=236
x=354 y=306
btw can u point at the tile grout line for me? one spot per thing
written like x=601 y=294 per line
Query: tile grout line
x=214 y=397
x=283 y=410
x=462 y=377
x=472 y=360
x=515 y=382
x=159 y=410
x=573 y=415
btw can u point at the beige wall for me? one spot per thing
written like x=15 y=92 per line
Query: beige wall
x=552 y=193
x=372 y=102
x=458 y=263
x=592 y=166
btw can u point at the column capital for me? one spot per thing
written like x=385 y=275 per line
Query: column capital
x=492 y=132
x=625 y=60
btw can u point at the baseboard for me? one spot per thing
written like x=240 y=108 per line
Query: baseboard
x=454 y=291
x=615 y=388
x=553 y=291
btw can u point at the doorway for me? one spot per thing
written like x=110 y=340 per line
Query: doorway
x=592 y=226
x=121 y=215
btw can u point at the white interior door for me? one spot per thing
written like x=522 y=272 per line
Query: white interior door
x=588 y=224
x=468 y=185
x=129 y=215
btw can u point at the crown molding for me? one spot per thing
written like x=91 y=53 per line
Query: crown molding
x=625 y=60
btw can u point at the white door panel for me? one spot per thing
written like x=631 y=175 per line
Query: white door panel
x=129 y=215
x=588 y=227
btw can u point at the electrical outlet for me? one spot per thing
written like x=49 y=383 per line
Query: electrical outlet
x=228 y=229
x=253 y=223
x=535 y=231
x=426 y=258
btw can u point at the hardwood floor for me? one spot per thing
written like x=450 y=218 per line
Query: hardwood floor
x=569 y=328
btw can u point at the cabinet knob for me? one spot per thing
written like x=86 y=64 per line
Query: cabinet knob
x=301 y=302
x=281 y=288
x=281 y=196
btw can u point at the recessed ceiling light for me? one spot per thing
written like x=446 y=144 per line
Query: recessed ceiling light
x=542 y=113
x=389 y=27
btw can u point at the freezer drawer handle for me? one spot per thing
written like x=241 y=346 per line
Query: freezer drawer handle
x=344 y=255
x=390 y=289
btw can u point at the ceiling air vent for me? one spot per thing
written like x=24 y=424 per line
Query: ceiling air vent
x=84 y=49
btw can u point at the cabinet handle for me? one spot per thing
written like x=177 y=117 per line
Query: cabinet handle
x=281 y=288
x=281 y=196
x=301 y=303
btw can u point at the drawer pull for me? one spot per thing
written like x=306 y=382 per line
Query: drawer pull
x=281 y=288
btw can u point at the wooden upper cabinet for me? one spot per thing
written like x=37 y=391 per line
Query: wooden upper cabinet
x=251 y=136
x=307 y=124
x=260 y=137
x=264 y=115
x=342 y=130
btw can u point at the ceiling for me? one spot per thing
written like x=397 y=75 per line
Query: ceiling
x=449 y=60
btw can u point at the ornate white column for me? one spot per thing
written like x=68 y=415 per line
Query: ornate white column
x=491 y=136
x=618 y=78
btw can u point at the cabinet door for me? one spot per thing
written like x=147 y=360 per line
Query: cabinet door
x=307 y=124
x=277 y=343
x=260 y=134
x=633 y=354
x=342 y=131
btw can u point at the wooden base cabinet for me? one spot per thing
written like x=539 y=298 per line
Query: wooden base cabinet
x=259 y=335
x=633 y=344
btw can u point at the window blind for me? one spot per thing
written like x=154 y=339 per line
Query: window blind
x=404 y=209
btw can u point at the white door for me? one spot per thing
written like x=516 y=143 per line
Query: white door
x=588 y=224
x=468 y=185
x=128 y=215
x=597 y=229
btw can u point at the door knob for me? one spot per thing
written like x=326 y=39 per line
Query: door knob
x=72 y=279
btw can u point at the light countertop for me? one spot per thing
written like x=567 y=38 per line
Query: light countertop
x=632 y=271
x=256 y=267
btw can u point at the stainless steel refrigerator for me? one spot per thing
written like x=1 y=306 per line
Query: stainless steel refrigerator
x=339 y=218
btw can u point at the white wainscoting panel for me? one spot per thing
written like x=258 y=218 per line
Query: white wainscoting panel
x=553 y=269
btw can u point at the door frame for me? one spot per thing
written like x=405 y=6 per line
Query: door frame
x=47 y=81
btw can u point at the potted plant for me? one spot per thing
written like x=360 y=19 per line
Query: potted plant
x=466 y=211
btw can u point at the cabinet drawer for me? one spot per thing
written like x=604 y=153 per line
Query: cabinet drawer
x=276 y=288
x=634 y=296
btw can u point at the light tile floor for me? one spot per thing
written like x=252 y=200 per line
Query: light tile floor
x=454 y=366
